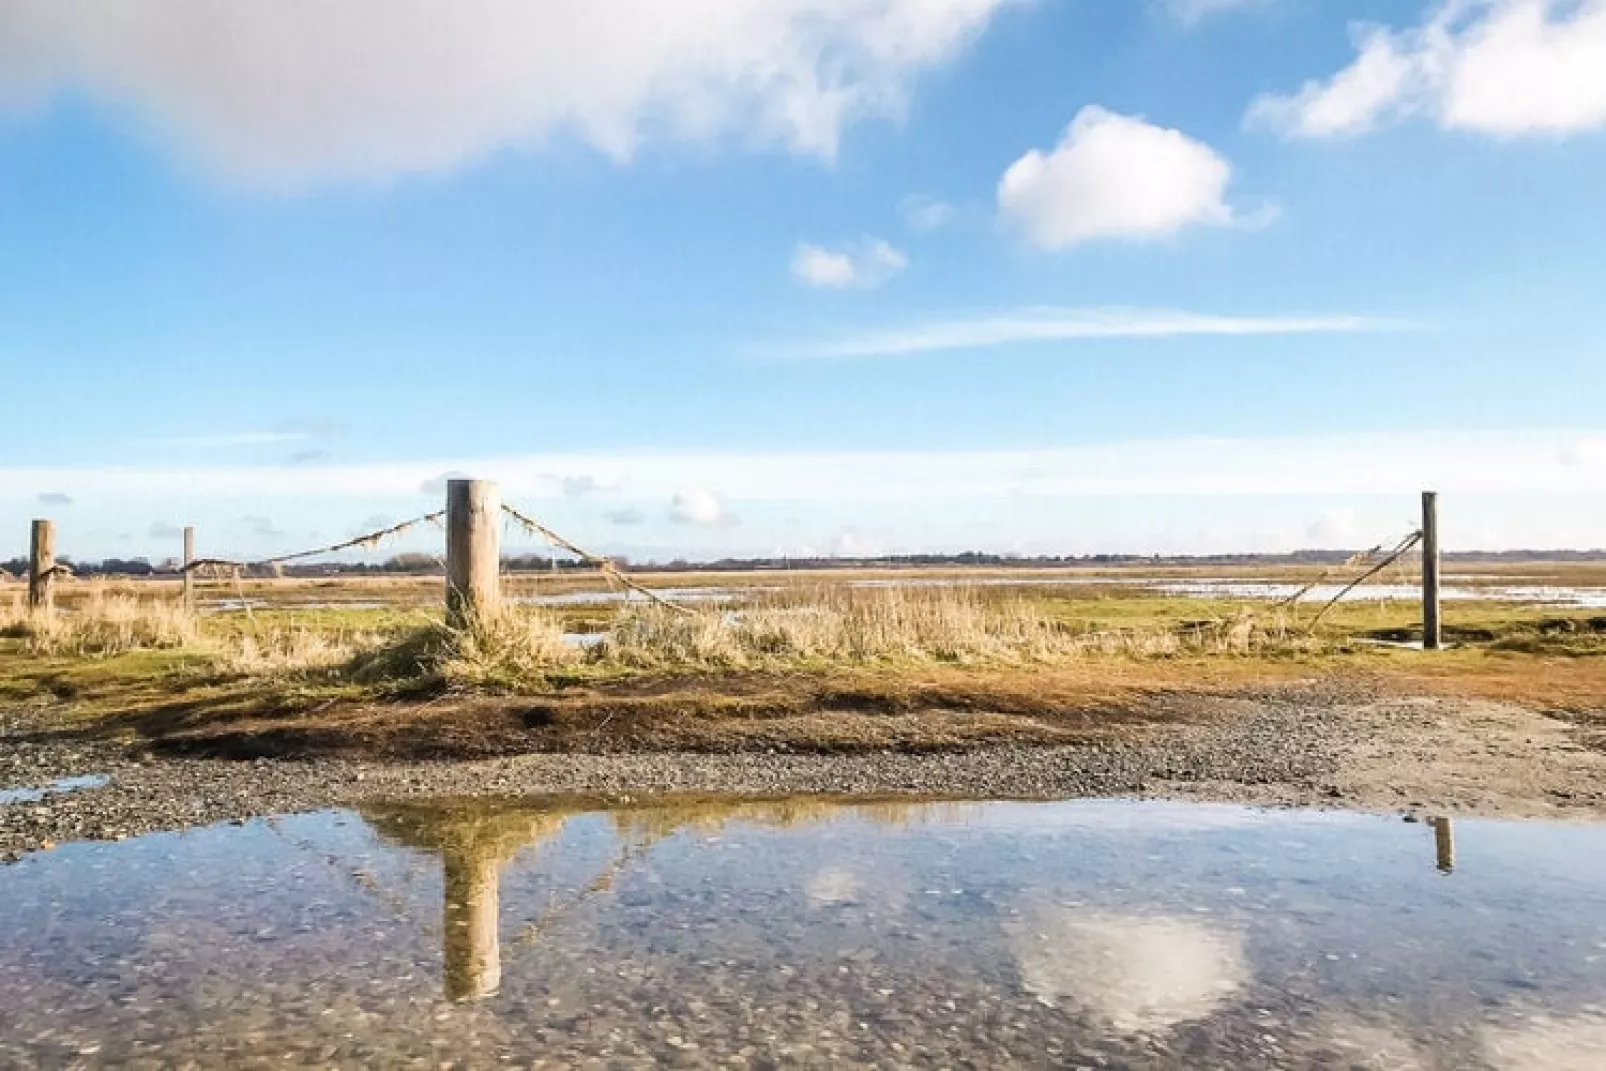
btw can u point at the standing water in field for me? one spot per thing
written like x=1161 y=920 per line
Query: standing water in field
x=814 y=933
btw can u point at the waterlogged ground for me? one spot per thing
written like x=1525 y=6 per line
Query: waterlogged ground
x=813 y=933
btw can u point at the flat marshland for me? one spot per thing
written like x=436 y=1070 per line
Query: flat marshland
x=747 y=647
x=1112 y=681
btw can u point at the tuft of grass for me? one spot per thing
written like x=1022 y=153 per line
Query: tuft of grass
x=515 y=650
x=101 y=624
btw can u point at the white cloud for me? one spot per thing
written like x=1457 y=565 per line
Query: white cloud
x=1456 y=462
x=1499 y=67
x=924 y=214
x=1049 y=325
x=697 y=506
x=1114 y=176
x=864 y=264
x=288 y=92
x=1139 y=974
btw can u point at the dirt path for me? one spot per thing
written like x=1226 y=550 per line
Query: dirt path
x=1293 y=747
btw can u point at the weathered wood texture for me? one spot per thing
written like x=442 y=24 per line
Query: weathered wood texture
x=42 y=565
x=473 y=551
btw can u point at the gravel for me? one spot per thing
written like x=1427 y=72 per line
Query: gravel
x=1300 y=748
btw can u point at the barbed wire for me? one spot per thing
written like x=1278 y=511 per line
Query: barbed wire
x=608 y=567
x=1400 y=550
x=367 y=542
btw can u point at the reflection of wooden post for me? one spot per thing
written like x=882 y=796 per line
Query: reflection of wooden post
x=473 y=953
x=1430 y=570
x=41 y=565
x=189 y=577
x=1444 y=844
x=473 y=551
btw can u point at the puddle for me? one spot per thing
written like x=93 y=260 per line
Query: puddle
x=65 y=784
x=1577 y=598
x=813 y=933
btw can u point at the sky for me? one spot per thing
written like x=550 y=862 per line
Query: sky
x=801 y=277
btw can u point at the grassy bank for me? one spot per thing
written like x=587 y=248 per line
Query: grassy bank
x=819 y=666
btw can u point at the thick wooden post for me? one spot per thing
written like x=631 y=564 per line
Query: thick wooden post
x=1430 y=571
x=189 y=577
x=42 y=565
x=473 y=551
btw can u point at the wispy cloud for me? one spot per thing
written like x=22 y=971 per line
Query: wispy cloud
x=1058 y=325
x=227 y=439
x=1326 y=464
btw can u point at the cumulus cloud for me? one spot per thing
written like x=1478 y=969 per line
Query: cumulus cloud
x=287 y=92
x=923 y=214
x=1541 y=1040
x=54 y=498
x=697 y=506
x=1139 y=974
x=1498 y=67
x=864 y=264
x=627 y=516
x=1114 y=176
x=163 y=530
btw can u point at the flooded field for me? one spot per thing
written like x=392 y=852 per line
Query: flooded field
x=813 y=933
x=1465 y=588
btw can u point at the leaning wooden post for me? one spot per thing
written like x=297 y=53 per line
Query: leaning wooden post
x=189 y=575
x=1430 y=571
x=473 y=551
x=42 y=565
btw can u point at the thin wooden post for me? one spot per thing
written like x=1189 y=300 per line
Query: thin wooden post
x=473 y=551
x=189 y=577
x=42 y=566
x=1443 y=845
x=1430 y=571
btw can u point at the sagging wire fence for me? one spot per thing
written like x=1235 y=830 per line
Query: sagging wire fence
x=475 y=513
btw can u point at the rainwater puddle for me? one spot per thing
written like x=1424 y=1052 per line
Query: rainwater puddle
x=65 y=784
x=1577 y=598
x=813 y=933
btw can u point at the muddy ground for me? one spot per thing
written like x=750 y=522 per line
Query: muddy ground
x=1323 y=744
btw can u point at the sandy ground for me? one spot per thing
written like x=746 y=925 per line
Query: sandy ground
x=1317 y=745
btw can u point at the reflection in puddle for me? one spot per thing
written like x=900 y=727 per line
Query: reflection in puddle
x=813 y=931
x=1139 y=974
x=64 y=784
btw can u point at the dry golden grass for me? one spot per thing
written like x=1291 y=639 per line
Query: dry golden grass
x=101 y=623
x=839 y=624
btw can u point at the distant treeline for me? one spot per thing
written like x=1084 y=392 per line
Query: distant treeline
x=428 y=564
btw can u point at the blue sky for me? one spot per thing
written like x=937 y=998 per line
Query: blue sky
x=806 y=276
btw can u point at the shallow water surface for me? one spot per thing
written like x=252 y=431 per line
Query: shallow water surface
x=56 y=787
x=813 y=933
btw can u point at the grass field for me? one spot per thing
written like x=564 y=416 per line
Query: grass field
x=955 y=658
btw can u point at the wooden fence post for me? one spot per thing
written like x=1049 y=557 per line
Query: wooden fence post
x=1443 y=844
x=1430 y=571
x=189 y=577
x=42 y=565
x=473 y=551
